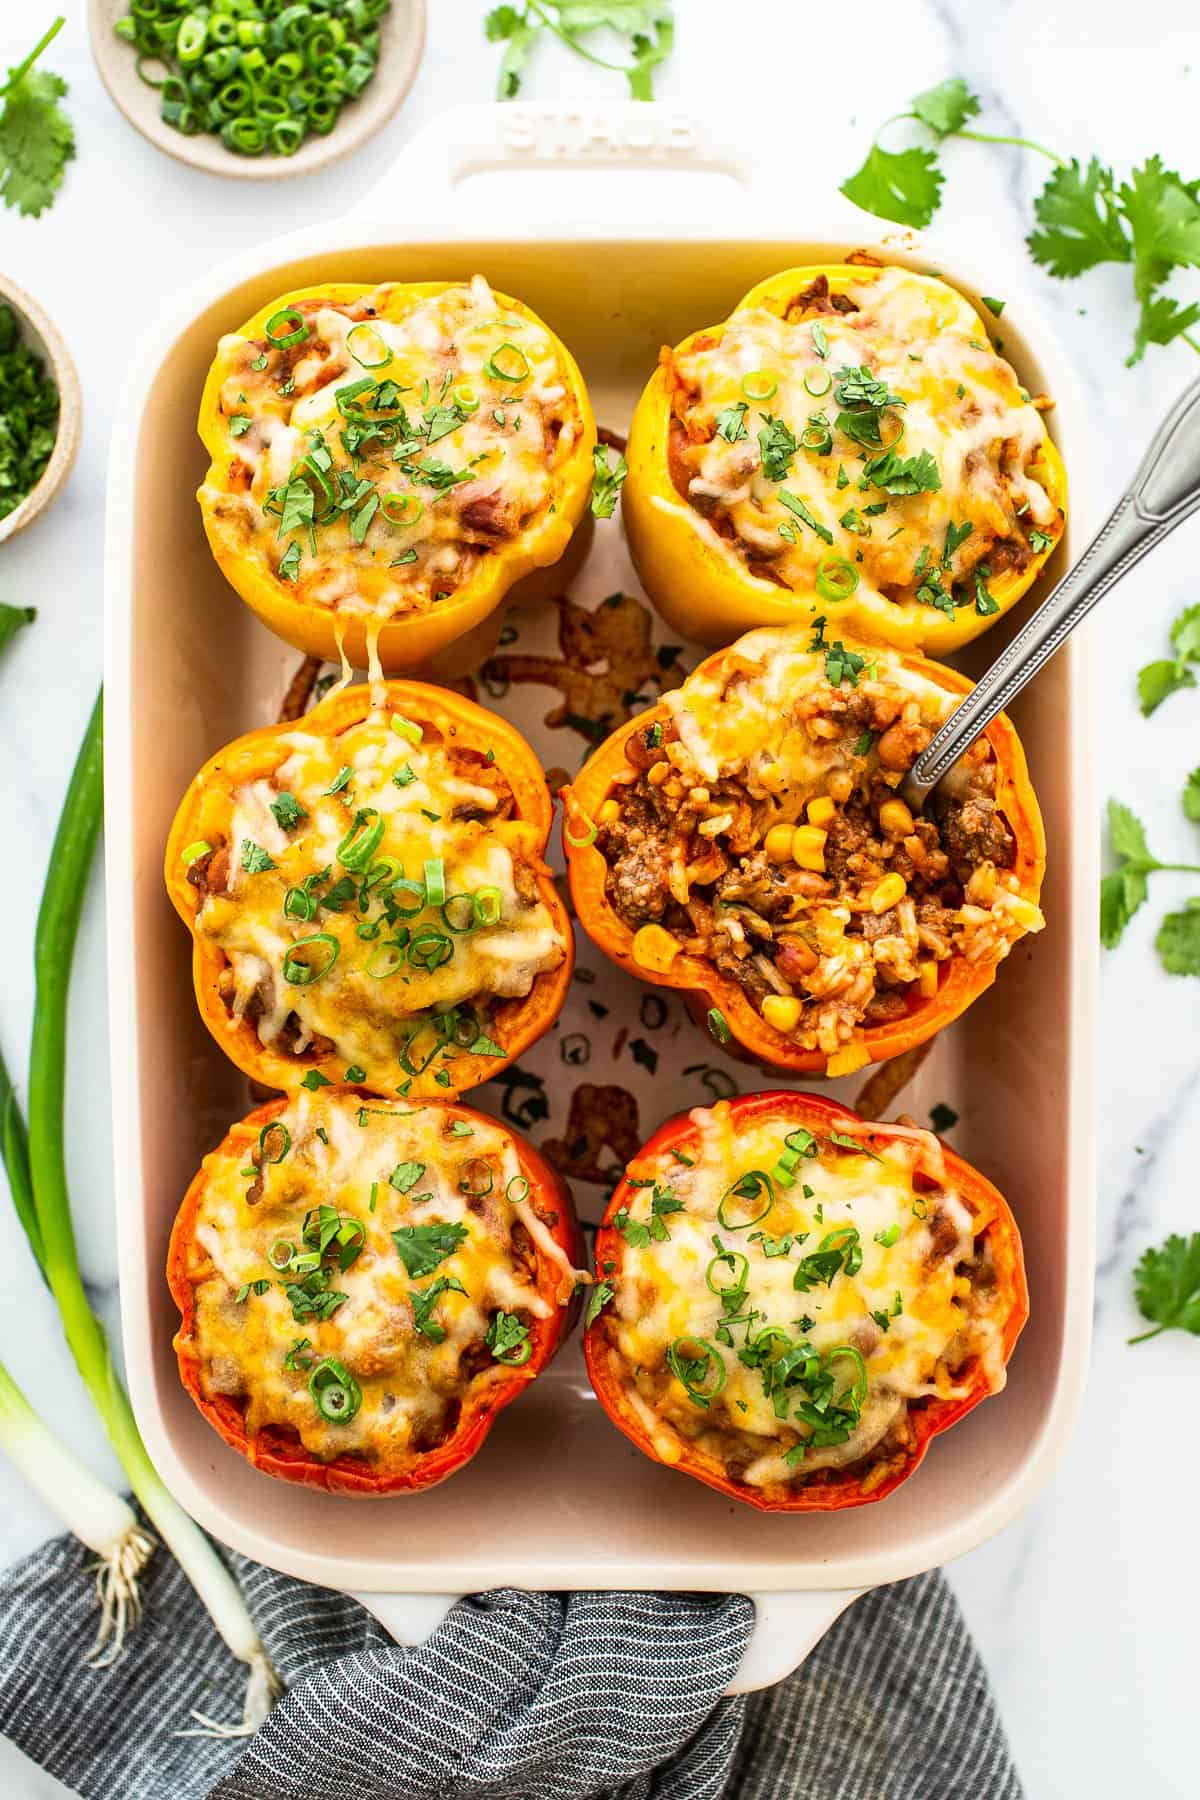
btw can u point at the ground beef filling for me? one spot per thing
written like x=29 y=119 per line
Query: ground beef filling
x=841 y=928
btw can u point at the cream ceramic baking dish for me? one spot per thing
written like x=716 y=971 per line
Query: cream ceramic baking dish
x=624 y=227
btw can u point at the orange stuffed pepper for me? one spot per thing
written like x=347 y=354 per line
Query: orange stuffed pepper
x=849 y=437
x=364 y=1287
x=792 y=1303
x=388 y=462
x=367 y=896
x=745 y=841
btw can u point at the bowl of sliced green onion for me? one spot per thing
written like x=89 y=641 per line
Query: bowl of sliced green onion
x=257 y=88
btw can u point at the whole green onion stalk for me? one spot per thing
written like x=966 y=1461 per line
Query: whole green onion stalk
x=43 y=1203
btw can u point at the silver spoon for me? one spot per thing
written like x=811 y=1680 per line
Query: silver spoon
x=1165 y=491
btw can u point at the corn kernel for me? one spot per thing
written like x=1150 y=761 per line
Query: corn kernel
x=771 y=777
x=657 y=773
x=782 y=1011
x=821 y=810
x=840 y=785
x=845 y=1062
x=887 y=892
x=896 y=819
x=609 y=813
x=655 y=948
x=808 y=847
x=927 y=979
x=1028 y=916
x=778 y=843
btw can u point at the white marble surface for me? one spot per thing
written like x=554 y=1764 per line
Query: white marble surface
x=1085 y=1609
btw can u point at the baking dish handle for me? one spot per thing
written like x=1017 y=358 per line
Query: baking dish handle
x=429 y=183
x=786 y=1627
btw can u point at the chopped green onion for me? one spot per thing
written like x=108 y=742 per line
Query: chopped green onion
x=402 y=509
x=836 y=578
x=698 y=1365
x=517 y=1190
x=578 y=843
x=435 y=881
x=295 y=328
x=760 y=384
x=372 y=352
x=458 y=913
x=334 y=1390
x=751 y=1187
x=487 y=904
x=407 y=728
x=277 y=1135
x=817 y=382
x=429 y=949
x=193 y=852
x=362 y=840
x=718 y=1025
x=515 y=366
x=299 y=971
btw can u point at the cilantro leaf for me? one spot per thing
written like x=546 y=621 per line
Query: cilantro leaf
x=902 y=475
x=1160 y=321
x=1156 y=681
x=1080 y=222
x=946 y=107
x=423 y=1247
x=1163 y=214
x=1124 y=891
x=607 y=482
x=904 y=185
x=508 y=1339
x=423 y=1300
x=37 y=139
x=597 y=1300
x=648 y=25
x=1178 y=940
x=1191 y=797
x=730 y=422
x=1166 y=1286
x=1185 y=633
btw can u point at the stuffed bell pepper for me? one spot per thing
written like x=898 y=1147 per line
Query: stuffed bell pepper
x=387 y=462
x=793 y=1303
x=364 y=1286
x=847 y=441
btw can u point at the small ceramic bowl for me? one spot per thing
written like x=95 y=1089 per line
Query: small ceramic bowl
x=402 y=37
x=41 y=335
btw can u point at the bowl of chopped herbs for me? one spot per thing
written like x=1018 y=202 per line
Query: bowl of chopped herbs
x=257 y=88
x=40 y=410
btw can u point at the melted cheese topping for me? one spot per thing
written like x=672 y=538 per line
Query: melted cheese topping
x=355 y=959
x=383 y=501
x=356 y=1159
x=962 y=406
x=910 y=1309
x=739 y=716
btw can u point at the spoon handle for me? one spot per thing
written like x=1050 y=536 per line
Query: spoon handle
x=1165 y=490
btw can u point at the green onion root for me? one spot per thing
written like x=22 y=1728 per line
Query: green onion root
x=88 y=1508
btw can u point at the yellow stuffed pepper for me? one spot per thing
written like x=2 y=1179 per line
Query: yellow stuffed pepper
x=848 y=442
x=387 y=462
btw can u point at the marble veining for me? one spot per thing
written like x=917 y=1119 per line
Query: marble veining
x=1083 y=1609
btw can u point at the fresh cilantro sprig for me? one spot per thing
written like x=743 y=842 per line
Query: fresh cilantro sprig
x=608 y=479
x=647 y=25
x=37 y=139
x=1123 y=892
x=1157 y=681
x=1166 y=1286
x=1085 y=216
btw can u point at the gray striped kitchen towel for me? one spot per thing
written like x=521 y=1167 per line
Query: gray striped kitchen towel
x=515 y=1697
